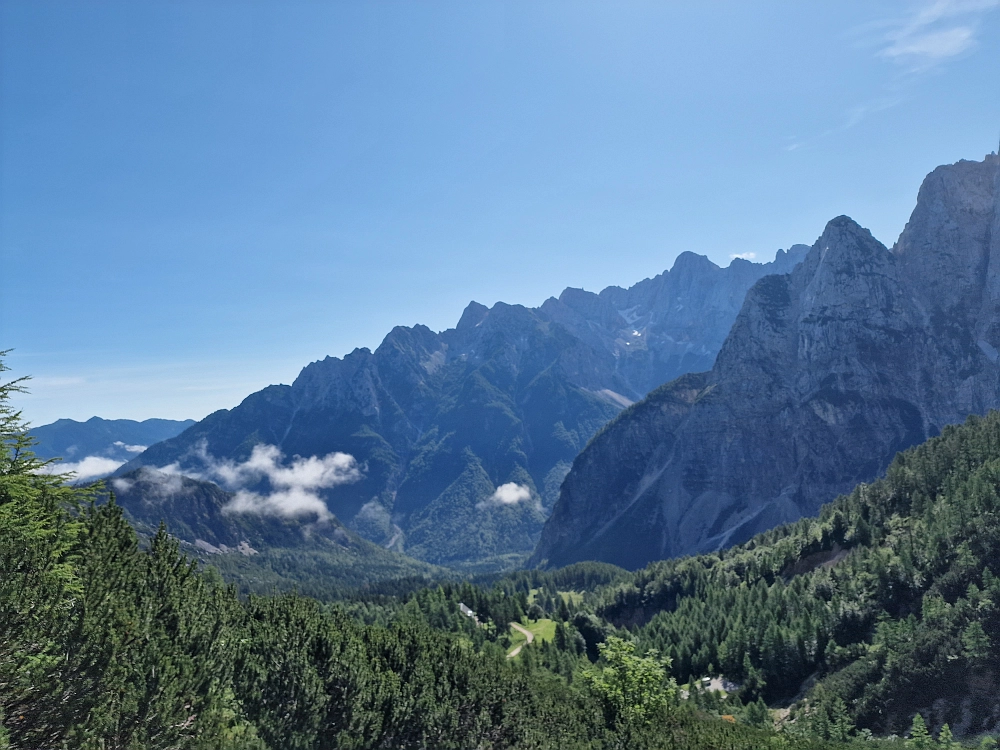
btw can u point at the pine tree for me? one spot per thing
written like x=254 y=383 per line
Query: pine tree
x=946 y=740
x=920 y=738
x=975 y=642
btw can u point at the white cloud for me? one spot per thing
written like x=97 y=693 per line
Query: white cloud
x=294 y=487
x=161 y=484
x=743 y=256
x=121 y=485
x=311 y=473
x=130 y=448
x=91 y=467
x=933 y=46
x=511 y=493
x=286 y=504
x=936 y=31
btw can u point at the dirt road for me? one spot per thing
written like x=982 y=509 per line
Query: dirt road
x=527 y=634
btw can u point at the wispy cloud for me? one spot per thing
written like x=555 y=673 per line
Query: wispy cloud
x=293 y=486
x=931 y=34
x=742 y=256
x=934 y=32
x=160 y=484
x=91 y=467
x=130 y=448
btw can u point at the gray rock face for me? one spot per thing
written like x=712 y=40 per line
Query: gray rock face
x=828 y=371
x=439 y=422
x=669 y=325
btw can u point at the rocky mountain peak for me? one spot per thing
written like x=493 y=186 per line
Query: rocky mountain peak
x=826 y=373
x=688 y=263
x=949 y=248
x=472 y=316
x=438 y=422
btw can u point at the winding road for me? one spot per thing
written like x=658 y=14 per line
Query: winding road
x=527 y=634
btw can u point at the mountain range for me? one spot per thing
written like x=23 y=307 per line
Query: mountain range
x=116 y=439
x=95 y=448
x=462 y=438
x=828 y=372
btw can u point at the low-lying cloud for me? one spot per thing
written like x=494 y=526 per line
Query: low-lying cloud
x=293 y=488
x=508 y=494
x=158 y=483
x=289 y=503
x=91 y=467
x=129 y=448
x=373 y=512
x=743 y=256
x=265 y=484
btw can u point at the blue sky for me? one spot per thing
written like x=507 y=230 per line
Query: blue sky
x=199 y=198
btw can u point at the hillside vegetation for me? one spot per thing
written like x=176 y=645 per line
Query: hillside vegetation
x=260 y=554
x=884 y=604
x=108 y=644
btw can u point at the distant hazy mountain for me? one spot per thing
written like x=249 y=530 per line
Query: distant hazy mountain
x=111 y=438
x=828 y=371
x=463 y=437
x=99 y=446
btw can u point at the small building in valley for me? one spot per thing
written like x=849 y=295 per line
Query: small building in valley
x=468 y=612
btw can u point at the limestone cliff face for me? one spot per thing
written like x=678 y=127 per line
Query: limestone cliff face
x=827 y=372
x=669 y=325
x=440 y=421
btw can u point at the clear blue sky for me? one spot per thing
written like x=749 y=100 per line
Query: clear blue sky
x=199 y=198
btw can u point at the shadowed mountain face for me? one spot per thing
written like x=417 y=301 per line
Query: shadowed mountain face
x=828 y=371
x=463 y=437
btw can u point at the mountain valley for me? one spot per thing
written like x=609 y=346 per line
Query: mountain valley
x=464 y=436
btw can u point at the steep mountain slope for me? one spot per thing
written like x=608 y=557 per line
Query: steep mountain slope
x=118 y=439
x=260 y=554
x=464 y=436
x=828 y=371
x=882 y=606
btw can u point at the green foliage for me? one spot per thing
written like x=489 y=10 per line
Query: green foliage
x=975 y=642
x=631 y=688
x=920 y=738
x=110 y=640
x=756 y=714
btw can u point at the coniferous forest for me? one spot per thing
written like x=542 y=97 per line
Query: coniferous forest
x=877 y=619
x=499 y=376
